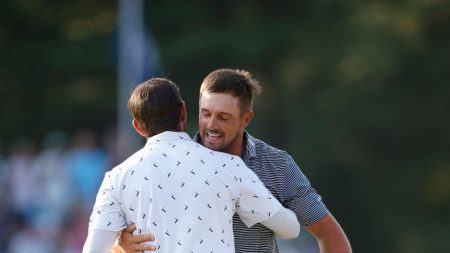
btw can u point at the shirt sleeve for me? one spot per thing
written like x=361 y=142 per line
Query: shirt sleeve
x=300 y=196
x=107 y=213
x=255 y=203
x=99 y=241
x=284 y=224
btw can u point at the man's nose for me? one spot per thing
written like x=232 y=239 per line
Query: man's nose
x=212 y=123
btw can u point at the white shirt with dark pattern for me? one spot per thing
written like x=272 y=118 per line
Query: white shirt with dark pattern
x=184 y=194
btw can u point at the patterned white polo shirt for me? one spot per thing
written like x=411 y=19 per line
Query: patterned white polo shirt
x=184 y=194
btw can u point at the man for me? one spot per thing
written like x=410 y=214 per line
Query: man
x=226 y=97
x=178 y=190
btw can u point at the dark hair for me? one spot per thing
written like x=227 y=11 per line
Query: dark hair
x=155 y=104
x=238 y=83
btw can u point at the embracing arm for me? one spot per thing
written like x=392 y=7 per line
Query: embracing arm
x=284 y=224
x=330 y=236
x=99 y=241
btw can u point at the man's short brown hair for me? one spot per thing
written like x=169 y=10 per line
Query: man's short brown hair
x=238 y=83
x=155 y=104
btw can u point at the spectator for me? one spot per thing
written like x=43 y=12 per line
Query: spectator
x=86 y=164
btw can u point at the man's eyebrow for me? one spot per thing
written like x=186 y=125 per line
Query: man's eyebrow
x=221 y=113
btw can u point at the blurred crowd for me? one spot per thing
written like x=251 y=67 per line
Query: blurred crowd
x=47 y=192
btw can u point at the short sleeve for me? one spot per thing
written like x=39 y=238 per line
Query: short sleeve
x=107 y=213
x=300 y=196
x=255 y=203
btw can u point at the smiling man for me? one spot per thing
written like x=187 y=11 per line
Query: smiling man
x=220 y=121
x=226 y=98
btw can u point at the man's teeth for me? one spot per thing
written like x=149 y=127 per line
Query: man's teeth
x=214 y=135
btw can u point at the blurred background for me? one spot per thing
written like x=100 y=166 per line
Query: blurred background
x=356 y=91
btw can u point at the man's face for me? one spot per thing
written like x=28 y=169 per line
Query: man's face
x=220 y=122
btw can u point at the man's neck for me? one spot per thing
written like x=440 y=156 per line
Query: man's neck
x=170 y=130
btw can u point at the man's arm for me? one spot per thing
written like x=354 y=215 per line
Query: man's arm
x=284 y=224
x=312 y=213
x=129 y=243
x=256 y=204
x=330 y=236
x=99 y=241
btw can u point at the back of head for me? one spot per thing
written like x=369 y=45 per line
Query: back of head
x=238 y=83
x=155 y=105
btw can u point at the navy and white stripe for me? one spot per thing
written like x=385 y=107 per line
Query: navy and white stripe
x=282 y=176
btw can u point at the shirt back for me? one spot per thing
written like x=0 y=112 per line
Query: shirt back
x=184 y=194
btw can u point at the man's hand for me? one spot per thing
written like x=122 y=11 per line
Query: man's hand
x=128 y=243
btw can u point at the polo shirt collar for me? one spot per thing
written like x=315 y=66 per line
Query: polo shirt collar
x=168 y=135
x=250 y=146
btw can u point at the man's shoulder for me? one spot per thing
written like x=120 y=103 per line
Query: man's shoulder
x=129 y=162
x=218 y=155
x=262 y=147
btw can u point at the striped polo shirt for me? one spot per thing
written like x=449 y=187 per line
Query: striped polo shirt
x=282 y=176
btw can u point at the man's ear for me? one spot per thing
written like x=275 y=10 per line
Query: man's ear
x=183 y=113
x=138 y=128
x=183 y=117
x=247 y=118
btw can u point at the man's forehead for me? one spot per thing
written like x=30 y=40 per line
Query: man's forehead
x=219 y=101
